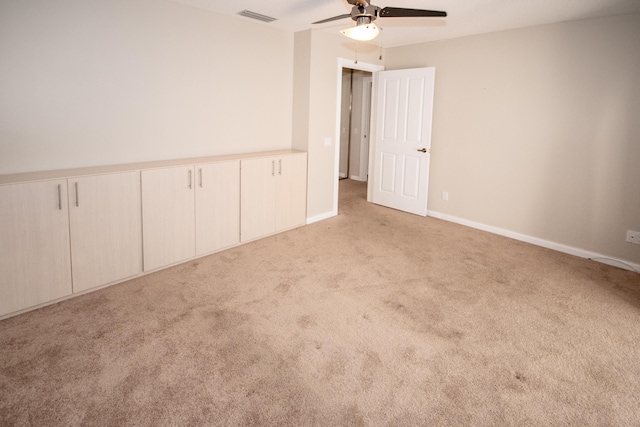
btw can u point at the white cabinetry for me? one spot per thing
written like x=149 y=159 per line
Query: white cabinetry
x=168 y=216
x=291 y=192
x=35 y=260
x=217 y=206
x=273 y=194
x=69 y=231
x=106 y=229
x=189 y=211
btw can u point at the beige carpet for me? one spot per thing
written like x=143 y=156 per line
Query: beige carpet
x=374 y=317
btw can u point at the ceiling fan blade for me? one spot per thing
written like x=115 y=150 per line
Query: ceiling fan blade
x=335 y=18
x=399 y=12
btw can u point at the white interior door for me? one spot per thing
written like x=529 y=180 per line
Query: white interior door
x=402 y=144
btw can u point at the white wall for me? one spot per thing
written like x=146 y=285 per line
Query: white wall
x=87 y=83
x=537 y=130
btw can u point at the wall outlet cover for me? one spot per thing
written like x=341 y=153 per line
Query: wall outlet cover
x=633 y=237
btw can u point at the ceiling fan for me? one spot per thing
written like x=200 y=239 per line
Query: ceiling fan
x=364 y=13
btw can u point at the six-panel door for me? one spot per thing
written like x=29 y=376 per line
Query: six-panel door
x=403 y=139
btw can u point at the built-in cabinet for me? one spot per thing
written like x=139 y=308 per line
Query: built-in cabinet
x=105 y=225
x=168 y=216
x=189 y=211
x=273 y=191
x=65 y=232
x=217 y=206
x=35 y=257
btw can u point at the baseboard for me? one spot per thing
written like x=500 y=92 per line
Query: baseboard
x=539 y=242
x=342 y=175
x=321 y=217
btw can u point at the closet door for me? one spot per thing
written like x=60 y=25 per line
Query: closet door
x=217 y=206
x=168 y=216
x=106 y=228
x=34 y=244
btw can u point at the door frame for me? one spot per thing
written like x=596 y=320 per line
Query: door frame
x=355 y=65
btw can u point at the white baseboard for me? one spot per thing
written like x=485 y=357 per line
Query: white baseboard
x=321 y=217
x=356 y=178
x=539 y=242
x=342 y=175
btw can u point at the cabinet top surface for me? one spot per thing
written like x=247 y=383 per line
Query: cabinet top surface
x=97 y=170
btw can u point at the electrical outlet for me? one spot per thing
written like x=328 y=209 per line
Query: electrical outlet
x=445 y=196
x=633 y=237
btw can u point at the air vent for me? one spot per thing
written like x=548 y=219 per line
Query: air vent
x=253 y=15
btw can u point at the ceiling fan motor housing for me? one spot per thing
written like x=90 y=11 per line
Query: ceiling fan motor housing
x=364 y=15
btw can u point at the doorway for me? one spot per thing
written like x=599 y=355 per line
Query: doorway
x=355 y=65
x=355 y=116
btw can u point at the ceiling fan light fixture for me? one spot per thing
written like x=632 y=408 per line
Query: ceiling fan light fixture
x=364 y=32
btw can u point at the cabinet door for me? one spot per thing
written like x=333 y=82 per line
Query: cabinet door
x=106 y=229
x=168 y=216
x=34 y=244
x=217 y=206
x=291 y=191
x=257 y=206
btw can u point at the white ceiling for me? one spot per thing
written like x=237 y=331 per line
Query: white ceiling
x=465 y=17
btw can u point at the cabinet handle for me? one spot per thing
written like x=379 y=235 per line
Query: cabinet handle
x=200 y=172
x=190 y=185
x=280 y=167
x=77 y=200
x=59 y=197
x=273 y=168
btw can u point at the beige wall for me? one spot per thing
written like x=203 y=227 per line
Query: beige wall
x=99 y=82
x=301 y=85
x=324 y=51
x=537 y=131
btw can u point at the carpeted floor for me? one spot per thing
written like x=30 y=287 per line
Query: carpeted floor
x=374 y=317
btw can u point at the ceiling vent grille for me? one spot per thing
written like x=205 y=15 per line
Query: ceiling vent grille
x=253 y=15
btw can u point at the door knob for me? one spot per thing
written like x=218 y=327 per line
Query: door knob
x=423 y=150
